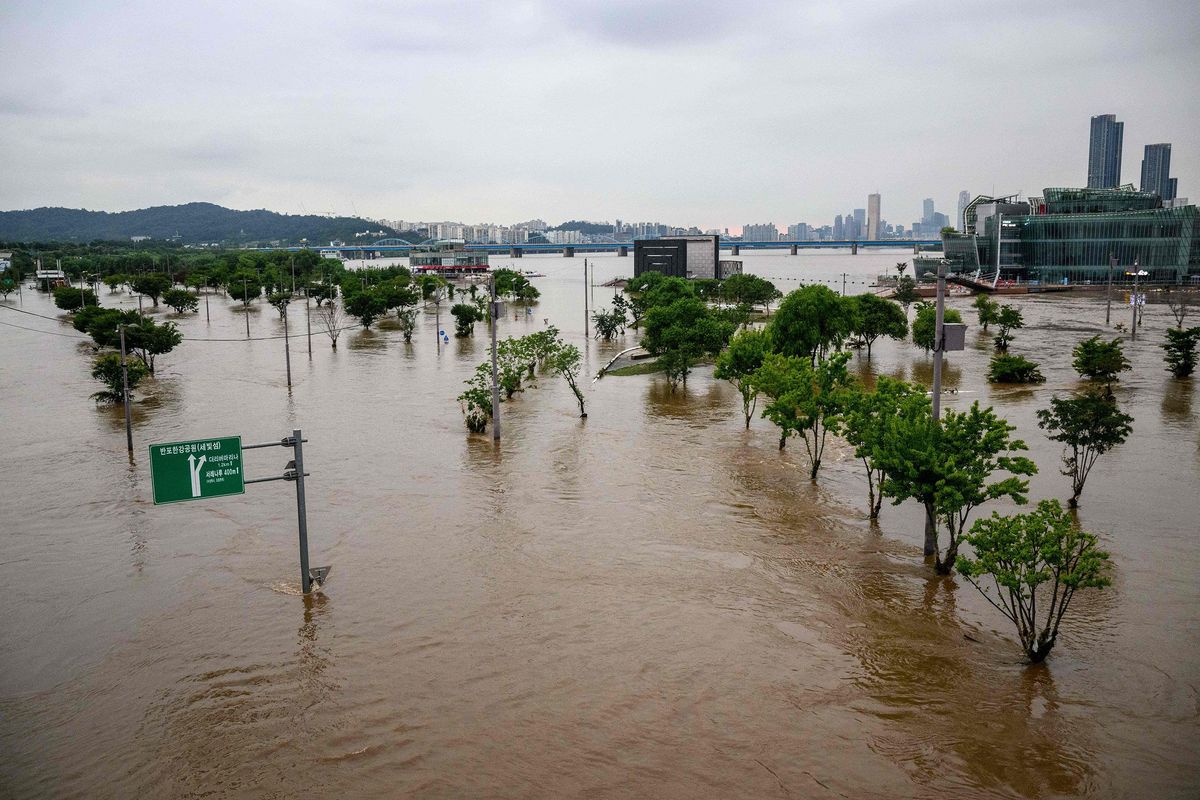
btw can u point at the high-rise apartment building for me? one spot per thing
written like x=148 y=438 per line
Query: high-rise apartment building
x=1104 y=152
x=767 y=232
x=798 y=232
x=927 y=211
x=1156 y=171
x=873 y=217
x=839 y=231
x=964 y=199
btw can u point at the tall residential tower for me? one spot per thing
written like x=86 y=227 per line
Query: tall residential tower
x=1104 y=152
x=872 y=217
x=1156 y=171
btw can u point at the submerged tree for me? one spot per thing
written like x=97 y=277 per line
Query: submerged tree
x=107 y=370
x=331 y=319
x=682 y=332
x=949 y=469
x=1036 y=562
x=152 y=285
x=1005 y=368
x=987 y=308
x=811 y=322
x=181 y=300
x=866 y=419
x=1008 y=319
x=566 y=361
x=1099 y=360
x=1180 y=350
x=738 y=363
x=465 y=316
x=407 y=320
x=1088 y=426
x=279 y=301
x=806 y=400
x=875 y=317
x=609 y=323
x=906 y=293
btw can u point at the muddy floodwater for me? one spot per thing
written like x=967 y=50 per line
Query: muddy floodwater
x=649 y=603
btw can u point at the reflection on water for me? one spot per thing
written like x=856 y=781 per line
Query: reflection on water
x=651 y=602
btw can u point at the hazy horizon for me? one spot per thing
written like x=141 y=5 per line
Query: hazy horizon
x=697 y=113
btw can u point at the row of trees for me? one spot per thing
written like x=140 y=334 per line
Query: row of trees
x=519 y=361
x=797 y=367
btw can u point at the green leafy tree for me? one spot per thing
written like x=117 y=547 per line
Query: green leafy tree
x=739 y=362
x=465 y=317
x=1008 y=319
x=609 y=324
x=476 y=400
x=280 y=301
x=805 y=400
x=1036 y=562
x=148 y=339
x=72 y=298
x=1180 y=350
x=243 y=286
x=407 y=318
x=906 y=293
x=151 y=284
x=875 y=317
x=367 y=305
x=987 y=308
x=865 y=422
x=810 y=322
x=107 y=370
x=8 y=283
x=566 y=361
x=681 y=333
x=750 y=290
x=1005 y=368
x=1088 y=426
x=924 y=326
x=1098 y=360
x=949 y=469
x=114 y=281
x=181 y=300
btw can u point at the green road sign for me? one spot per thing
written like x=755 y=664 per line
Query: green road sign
x=196 y=469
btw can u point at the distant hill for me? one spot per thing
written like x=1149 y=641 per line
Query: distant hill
x=583 y=226
x=191 y=223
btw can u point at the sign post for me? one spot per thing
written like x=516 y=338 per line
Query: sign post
x=203 y=468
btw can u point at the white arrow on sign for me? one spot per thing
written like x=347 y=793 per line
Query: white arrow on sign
x=195 y=467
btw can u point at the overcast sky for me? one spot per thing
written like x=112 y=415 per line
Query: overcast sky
x=693 y=113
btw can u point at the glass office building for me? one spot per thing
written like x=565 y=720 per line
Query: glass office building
x=1080 y=230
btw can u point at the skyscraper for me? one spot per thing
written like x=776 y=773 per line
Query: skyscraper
x=964 y=199
x=872 y=217
x=1156 y=170
x=839 y=232
x=1104 y=152
x=927 y=211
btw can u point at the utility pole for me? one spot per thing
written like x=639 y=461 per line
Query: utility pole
x=585 y=298
x=1112 y=263
x=308 y=319
x=287 y=347
x=938 y=342
x=246 y=306
x=843 y=284
x=125 y=392
x=207 y=316
x=493 y=308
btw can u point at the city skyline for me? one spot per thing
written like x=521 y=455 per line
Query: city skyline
x=234 y=117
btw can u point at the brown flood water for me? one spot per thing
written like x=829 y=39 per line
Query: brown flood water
x=650 y=603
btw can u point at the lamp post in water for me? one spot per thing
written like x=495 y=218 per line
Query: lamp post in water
x=493 y=314
x=1112 y=264
x=125 y=393
x=1133 y=301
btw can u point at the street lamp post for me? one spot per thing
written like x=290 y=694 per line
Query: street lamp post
x=1133 y=302
x=1112 y=264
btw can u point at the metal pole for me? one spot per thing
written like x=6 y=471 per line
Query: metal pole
x=246 y=306
x=125 y=392
x=207 y=316
x=495 y=370
x=1134 y=301
x=140 y=314
x=843 y=284
x=585 y=299
x=301 y=509
x=938 y=340
x=308 y=319
x=287 y=347
x=1112 y=263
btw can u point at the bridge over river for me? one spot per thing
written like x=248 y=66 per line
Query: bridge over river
x=399 y=247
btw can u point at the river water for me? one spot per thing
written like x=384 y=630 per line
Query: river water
x=649 y=603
